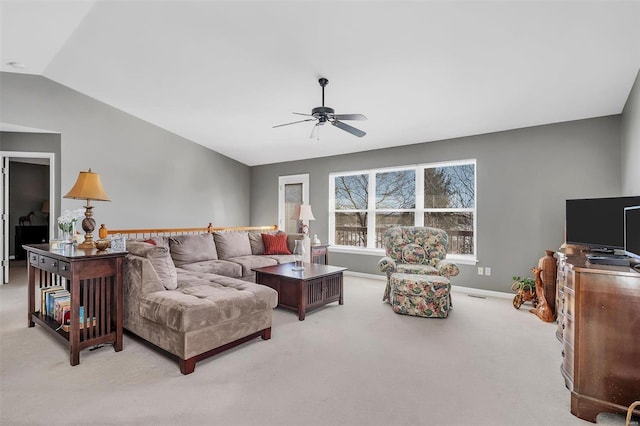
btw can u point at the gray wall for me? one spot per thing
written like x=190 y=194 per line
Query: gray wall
x=524 y=177
x=36 y=142
x=153 y=177
x=631 y=142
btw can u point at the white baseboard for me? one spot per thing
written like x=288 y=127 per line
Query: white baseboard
x=481 y=292
x=456 y=288
x=364 y=275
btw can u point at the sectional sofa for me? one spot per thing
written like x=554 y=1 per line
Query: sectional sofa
x=193 y=295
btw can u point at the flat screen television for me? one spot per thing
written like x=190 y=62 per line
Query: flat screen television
x=632 y=232
x=598 y=222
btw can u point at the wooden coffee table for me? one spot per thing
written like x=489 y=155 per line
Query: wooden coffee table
x=305 y=290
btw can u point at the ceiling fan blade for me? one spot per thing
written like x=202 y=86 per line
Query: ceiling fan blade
x=315 y=132
x=294 y=122
x=349 y=117
x=300 y=113
x=347 y=128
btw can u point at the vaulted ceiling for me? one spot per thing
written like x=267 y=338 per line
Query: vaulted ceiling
x=222 y=73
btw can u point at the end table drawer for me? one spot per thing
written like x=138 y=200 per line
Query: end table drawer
x=64 y=269
x=48 y=264
x=33 y=258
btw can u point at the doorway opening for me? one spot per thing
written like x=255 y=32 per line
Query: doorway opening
x=27 y=204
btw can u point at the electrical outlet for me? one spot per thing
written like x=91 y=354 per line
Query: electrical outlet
x=480 y=270
x=487 y=270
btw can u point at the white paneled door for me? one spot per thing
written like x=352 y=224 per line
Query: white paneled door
x=293 y=190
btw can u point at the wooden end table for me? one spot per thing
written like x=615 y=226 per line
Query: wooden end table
x=320 y=253
x=94 y=280
x=306 y=290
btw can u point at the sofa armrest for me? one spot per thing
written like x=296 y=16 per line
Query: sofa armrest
x=140 y=276
x=448 y=269
x=387 y=264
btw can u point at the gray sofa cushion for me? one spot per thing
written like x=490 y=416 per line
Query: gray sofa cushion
x=282 y=258
x=251 y=261
x=192 y=248
x=209 y=303
x=221 y=267
x=232 y=244
x=160 y=260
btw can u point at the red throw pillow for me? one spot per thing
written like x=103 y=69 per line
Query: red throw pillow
x=275 y=244
x=150 y=241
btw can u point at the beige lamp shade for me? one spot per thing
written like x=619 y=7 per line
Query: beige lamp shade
x=88 y=187
x=303 y=212
x=45 y=207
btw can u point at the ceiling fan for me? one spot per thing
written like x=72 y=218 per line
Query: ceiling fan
x=324 y=114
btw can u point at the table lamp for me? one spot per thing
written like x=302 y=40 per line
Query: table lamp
x=88 y=187
x=303 y=213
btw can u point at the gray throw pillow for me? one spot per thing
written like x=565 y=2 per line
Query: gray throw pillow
x=160 y=260
x=232 y=244
x=192 y=248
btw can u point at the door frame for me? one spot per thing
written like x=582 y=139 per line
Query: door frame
x=4 y=202
x=291 y=179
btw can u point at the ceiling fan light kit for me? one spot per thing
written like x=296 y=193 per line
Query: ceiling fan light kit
x=324 y=114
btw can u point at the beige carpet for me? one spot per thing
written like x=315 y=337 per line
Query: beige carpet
x=356 y=364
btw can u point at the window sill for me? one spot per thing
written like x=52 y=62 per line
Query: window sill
x=455 y=258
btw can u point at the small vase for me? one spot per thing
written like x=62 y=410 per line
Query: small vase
x=298 y=254
x=67 y=234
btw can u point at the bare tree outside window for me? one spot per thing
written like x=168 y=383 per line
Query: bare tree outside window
x=395 y=192
x=449 y=204
x=351 y=196
x=451 y=190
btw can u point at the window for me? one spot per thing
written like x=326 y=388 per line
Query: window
x=364 y=204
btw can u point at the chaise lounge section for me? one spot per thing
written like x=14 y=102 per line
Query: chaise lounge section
x=193 y=298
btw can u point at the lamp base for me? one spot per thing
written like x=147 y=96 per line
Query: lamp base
x=87 y=245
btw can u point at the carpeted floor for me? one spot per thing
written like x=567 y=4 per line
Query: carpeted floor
x=356 y=364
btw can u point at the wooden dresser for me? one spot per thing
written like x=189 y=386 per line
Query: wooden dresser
x=599 y=328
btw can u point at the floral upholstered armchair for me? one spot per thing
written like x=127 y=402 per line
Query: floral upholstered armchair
x=415 y=250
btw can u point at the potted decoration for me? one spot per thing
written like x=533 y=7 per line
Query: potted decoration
x=526 y=288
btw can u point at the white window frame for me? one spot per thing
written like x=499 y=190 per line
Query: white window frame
x=418 y=211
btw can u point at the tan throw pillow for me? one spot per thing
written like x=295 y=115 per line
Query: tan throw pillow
x=232 y=244
x=160 y=260
x=192 y=248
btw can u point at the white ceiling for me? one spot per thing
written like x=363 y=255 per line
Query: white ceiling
x=222 y=73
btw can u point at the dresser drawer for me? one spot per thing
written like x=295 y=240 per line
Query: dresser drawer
x=569 y=279
x=567 y=360
x=559 y=329
x=560 y=301
x=568 y=330
x=569 y=302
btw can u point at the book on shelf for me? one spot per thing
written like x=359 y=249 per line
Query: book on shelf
x=51 y=301
x=67 y=322
x=60 y=305
x=43 y=297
